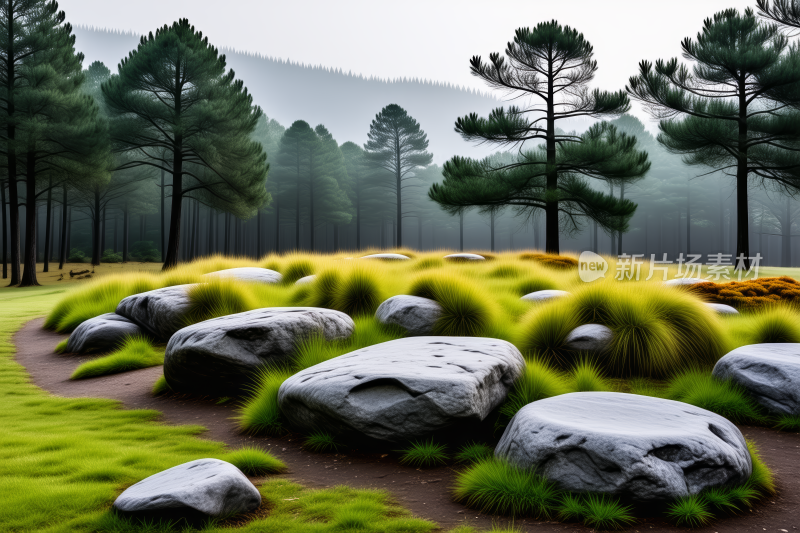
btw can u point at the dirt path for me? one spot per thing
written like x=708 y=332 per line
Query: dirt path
x=424 y=492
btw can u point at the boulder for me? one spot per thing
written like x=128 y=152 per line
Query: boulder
x=416 y=315
x=677 y=282
x=208 y=486
x=722 y=309
x=101 y=334
x=543 y=296
x=160 y=312
x=403 y=389
x=590 y=338
x=638 y=447
x=465 y=257
x=251 y=274
x=306 y=280
x=387 y=257
x=222 y=356
x=769 y=372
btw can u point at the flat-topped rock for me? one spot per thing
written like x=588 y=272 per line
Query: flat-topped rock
x=209 y=486
x=543 y=296
x=677 y=282
x=101 y=334
x=222 y=356
x=770 y=373
x=249 y=274
x=387 y=257
x=465 y=257
x=638 y=447
x=722 y=309
x=590 y=338
x=403 y=389
x=306 y=280
x=416 y=315
x=160 y=312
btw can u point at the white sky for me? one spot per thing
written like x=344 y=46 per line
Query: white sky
x=431 y=39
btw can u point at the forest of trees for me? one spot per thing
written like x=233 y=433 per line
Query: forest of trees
x=169 y=158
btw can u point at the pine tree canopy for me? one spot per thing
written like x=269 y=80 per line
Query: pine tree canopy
x=176 y=107
x=784 y=12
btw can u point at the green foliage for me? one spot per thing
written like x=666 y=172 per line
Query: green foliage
x=571 y=507
x=61 y=347
x=587 y=377
x=359 y=292
x=538 y=381
x=218 y=297
x=534 y=284
x=321 y=441
x=507 y=271
x=296 y=269
x=701 y=389
x=775 y=324
x=788 y=423
x=76 y=255
x=135 y=352
x=144 y=251
x=260 y=414
x=465 y=311
x=474 y=452
x=603 y=512
x=325 y=287
x=424 y=454
x=761 y=479
x=255 y=461
x=110 y=256
x=426 y=263
x=160 y=386
x=691 y=511
x=495 y=486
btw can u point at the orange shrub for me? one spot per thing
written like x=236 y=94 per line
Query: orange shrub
x=561 y=262
x=750 y=294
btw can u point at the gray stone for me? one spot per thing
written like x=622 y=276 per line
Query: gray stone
x=250 y=274
x=306 y=280
x=543 y=296
x=209 y=486
x=387 y=257
x=465 y=257
x=403 y=389
x=769 y=372
x=222 y=356
x=590 y=338
x=677 y=282
x=101 y=334
x=638 y=447
x=160 y=312
x=416 y=315
x=722 y=309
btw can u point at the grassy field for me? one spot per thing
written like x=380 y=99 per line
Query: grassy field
x=64 y=461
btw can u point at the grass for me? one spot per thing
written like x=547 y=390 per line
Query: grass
x=160 y=386
x=604 y=512
x=474 y=452
x=261 y=414
x=690 y=511
x=255 y=462
x=788 y=423
x=587 y=377
x=465 y=308
x=61 y=347
x=424 y=454
x=538 y=381
x=135 y=352
x=701 y=389
x=320 y=441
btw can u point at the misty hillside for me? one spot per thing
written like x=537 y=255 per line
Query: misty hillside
x=344 y=103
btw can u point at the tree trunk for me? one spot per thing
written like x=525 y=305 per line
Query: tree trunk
x=419 y=230
x=193 y=231
x=258 y=234
x=399 y=180
x=786 y=236
x=173 y=247
x=62 y=252
x=125 y=218
x=5 y=227
x=491 y=223
x=277 y=224
x=115 y=233
x=551 y=244
x=358 y=220
x=29 y=274
x=595 y=247
x=311 y=203
x=96 y=229
x=297 y=208
x=688 y=219
x=383 y=234
x=11 y=129
x=226 y=238
x=336 y=237
x=461 y=231
x=48 y=230
x=161 y=213
x=69 y=234
x=103 y=228
x=210 y=240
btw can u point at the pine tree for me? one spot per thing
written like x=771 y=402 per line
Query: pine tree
x=333 y=203
x=290 y=173
x=365 y=189
x=728 y=110
x=398 y=145
x=553 y=65
x=174 y=104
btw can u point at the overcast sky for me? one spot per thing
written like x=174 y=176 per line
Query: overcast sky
x=431 y=39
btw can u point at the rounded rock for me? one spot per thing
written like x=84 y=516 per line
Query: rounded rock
x=677 y=282
x=722 y=309
x=590 y=338
x=416 y=315
x=387 y=257
x=101 y=334
x=464 y=257
x=543 y=296
x=160 y=312
x=248 y=274
x=306 y=280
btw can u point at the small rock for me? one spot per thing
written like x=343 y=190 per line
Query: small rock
x=677 y=282
x=101 y=334
x=465 y=257
x=306 y=280
x=250 y=274
x=770 y=373
x=543 y=296
x=638 y=447
x=590 y=338
x=387 y=257
x=223 y=355
x=209 y=486
x=415 y=314
x=722 y=309
x=160 y=312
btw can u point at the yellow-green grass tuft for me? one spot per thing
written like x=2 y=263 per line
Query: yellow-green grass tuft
x=254 y=461
x=359 y=292
x=604 y=512
x=424 y=454
x=465 y=307
x=296 y=269
x=507 y=270
x=586 y=376
x=321 y=441
x=774 y=324
x=160 y=386
x=61 y=347
x=134 y=353
x=323 y=290
x=474 y=452
x=538 y=381
x=219 y=297
x=534 y=283
x=260 y=413
x=701 y=389
x=691 y=511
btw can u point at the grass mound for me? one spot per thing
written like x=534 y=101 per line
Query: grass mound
x=359 y=292
x=474 y=452
x=297 y=268
x=134 y=353
x=261 y=414
x=219 y=297
x=751 y=294
x=255 y=461
x=424 y=454
x=321 y=441
x=775 y=324
x=160 y=386
x=538 y=381
x=560 y=262
x=725 y=398
x=465 y=308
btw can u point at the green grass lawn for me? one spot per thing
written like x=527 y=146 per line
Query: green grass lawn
x=64 y=461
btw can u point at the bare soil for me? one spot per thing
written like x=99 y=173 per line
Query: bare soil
x=426 y=492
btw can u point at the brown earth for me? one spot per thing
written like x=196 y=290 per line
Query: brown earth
x=425 y=492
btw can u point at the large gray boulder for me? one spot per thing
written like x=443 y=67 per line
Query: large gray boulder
x=209 y=486
x=415 y=314
x=160 y=312
x=387 y=257
x=222 y=356
x=769 y=372
x=403 y=389
x=464 y=257
x=543 y=296
x=638 y=447
x=250 y=274
x=101 y=334
x=590 y=338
